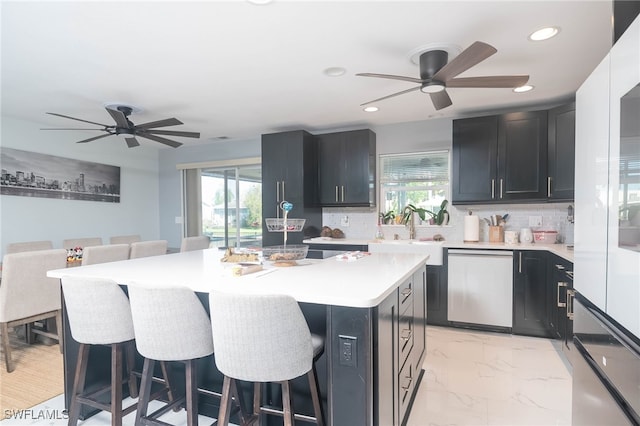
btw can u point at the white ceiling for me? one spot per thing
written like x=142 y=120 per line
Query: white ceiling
x=238 y=70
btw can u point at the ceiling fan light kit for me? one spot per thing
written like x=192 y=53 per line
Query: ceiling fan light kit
x=128 y=131
x=436 y=74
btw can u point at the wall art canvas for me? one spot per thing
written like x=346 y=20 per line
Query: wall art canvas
x=31 y=174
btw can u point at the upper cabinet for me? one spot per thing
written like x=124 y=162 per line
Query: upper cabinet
x=561 y=155
x=500 y=158
x=347 y=168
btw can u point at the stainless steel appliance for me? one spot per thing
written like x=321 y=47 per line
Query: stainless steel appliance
x=606 y=369
x=480 y=287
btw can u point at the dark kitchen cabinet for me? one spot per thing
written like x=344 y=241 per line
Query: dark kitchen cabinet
x=347 y=168
x=531 y=308
x=289 y=172
x=437 y=294
x=498 y=159
x=560 y=281
x=561 y=153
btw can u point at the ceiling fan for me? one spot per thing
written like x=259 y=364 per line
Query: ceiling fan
x=125 y=128
x=436 y=74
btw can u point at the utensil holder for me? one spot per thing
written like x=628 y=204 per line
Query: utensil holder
x=496 y=234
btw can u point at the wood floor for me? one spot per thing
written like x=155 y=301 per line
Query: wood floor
x=38 y=375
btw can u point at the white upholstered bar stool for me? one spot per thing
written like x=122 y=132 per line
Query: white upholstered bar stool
x=195 y=243
x=124 y=239
x=99 y=314
x=148 y=248
x=28 y=246
x=170 y=325
x=103 y=254
x=81 y=242
x=264 y=338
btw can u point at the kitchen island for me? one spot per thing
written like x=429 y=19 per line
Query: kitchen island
x=372 y=311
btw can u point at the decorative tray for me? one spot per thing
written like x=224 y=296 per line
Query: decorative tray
x=277 y=224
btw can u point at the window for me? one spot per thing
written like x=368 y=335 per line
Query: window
x=421 y=179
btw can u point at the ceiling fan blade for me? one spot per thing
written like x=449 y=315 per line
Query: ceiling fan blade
x=159 y=123
x=490 y=81
x=440 y=99
x=118 y=117
x=469 y=57
x=173 y=133
x=165 y=141
x=63 y=128
x=391 y=77
x=77 y=119
x=392 y=95
x=132 y=142
x=94 y=138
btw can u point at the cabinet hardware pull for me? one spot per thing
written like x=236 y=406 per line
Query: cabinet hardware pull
x=501 y=188
x=558 y=302
x=406 y=334
x=549 y=186
x=560 y=267
x=406 y=292
x=570 y=295
x=406 y=388
x=342 y=188
x=284 y=197
x=520 y=262
x=336 y=193
x=493 y=189
x=278 y=191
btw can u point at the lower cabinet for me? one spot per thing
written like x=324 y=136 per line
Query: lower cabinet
x=401 y=343
x=560 y=282
x=531 y=307
x=437 y=294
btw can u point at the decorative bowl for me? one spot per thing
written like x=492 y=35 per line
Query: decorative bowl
x=288 y=253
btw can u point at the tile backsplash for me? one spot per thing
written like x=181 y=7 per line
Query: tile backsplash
x=361 y=223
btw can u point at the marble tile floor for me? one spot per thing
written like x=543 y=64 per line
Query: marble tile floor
x=471 y=378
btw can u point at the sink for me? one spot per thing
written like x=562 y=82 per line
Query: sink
x=432 y=248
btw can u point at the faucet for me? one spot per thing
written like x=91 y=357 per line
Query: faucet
x=412 y=225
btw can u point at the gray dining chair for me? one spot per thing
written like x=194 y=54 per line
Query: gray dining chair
x=104 y=254
x=260 y=339
x=148 y=248
x=28 y=246
x=81 y=242
x=195 y=243
x=124 y=239
x=27 y=295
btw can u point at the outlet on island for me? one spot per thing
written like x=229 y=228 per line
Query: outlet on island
x=344 y=221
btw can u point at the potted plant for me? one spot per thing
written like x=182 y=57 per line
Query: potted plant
x=409 y=209
x=442 y=217
x=388 y=217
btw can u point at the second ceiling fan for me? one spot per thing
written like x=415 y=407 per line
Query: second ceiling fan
x=436 y=74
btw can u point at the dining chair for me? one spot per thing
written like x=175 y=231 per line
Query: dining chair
x=81 y=242
x=27 y=295
x=148 y=248
x=124 y=239
x=28 y=246
x=195 y=243
x=260 y=339
x=104 y=254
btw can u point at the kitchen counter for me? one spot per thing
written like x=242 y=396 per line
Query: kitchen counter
x=348 y=301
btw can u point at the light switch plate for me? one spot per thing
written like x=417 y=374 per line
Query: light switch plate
x=344 y=221
x=535 y=221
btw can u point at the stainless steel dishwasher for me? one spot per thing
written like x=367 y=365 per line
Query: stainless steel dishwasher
x=480 y=287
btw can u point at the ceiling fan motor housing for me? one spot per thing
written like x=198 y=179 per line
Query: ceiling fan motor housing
x=431 y=62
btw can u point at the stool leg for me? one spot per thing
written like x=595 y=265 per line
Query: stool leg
x=167 y=381
x=145 y=390
x=131 y=366
x=59 y=329
x=116 y=384
x=78 y=383
x=225 y=402
x=287 y=411
x=6 y=347
x=257 y=400
x=315 y=396
x=192 y=392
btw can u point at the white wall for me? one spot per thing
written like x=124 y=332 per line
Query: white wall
x=30 y=218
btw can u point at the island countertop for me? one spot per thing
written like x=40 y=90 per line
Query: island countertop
x=361 y=283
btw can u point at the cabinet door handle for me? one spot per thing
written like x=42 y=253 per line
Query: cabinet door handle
x=493 y=189
x=406 y=334
x=408 y=386
x=520 y=262
x=342 y=190
x=549 y=186
x=336 y=193
x=570 y=295
x=558 y=302
x=560 y=267
x=277 y=191
x=406 y=293
x=284 y=197
x=501 y=188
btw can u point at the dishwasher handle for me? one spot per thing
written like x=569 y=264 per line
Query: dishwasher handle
x=455 y=252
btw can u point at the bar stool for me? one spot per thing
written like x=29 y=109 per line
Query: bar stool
x=260 y=339
x=170 y=325
x=99 y=314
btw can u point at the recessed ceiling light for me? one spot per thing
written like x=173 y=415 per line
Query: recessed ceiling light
x=370 y=109
x=522 y=89
x=544 y=33
x=335 y=71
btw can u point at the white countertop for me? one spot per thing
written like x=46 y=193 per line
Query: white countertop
x=361 y=283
